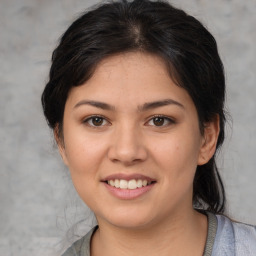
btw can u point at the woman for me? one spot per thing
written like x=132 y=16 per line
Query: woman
x=136 y=102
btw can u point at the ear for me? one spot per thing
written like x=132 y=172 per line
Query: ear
x=209 y=141
x=60 y=143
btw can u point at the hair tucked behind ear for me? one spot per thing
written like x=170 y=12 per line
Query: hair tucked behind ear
x=155 y=27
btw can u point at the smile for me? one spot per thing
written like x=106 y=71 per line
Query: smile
x=129 y=184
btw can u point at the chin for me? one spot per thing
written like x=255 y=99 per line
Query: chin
x=128 y=219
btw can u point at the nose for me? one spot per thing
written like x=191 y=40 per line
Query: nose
x=127 y=146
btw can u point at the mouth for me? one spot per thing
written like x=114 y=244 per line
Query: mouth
x=129 y=184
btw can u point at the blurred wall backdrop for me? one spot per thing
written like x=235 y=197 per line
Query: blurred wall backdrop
x=38 y=203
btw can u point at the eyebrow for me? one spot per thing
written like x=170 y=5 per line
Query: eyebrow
x=160 y=103
x=144 y=107
x=96 y=104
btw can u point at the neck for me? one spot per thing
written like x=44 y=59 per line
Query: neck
x=180 y=235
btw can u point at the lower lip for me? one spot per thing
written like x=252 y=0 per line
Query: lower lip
x=128 y=194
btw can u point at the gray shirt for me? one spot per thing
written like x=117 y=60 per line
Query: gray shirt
x=224 y=238
x=234 y=239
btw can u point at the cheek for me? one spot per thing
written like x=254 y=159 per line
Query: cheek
x=83 y=153
x=178 y=155
x=182 y=149
x=84 y=158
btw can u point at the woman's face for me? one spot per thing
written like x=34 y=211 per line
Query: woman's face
x=130 y=126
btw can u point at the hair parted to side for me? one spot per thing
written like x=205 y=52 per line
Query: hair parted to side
x=154 y=27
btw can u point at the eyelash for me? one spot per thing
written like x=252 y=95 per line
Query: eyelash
x=165 y=119
x=106 y=122
x=90 y=119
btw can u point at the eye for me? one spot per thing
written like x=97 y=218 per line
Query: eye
x=96 y=121
x=160 y=121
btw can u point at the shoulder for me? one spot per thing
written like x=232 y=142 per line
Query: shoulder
x=234 y=238
x=82 y=246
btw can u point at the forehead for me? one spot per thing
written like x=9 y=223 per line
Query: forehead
x=128 y=60
x=134 y=77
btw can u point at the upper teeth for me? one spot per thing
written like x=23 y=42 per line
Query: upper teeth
x=128 y=184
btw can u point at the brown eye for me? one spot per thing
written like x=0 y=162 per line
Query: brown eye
x=96 y=121
x=158 y=121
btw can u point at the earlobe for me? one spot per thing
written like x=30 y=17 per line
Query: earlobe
x=209 y=141
x=60 y=143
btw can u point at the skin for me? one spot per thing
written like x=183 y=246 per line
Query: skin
x=128 y=139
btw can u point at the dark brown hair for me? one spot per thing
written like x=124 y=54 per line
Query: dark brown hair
x=155 y=27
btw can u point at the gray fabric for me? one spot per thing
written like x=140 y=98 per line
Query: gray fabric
x=224 y=238
x=212 y=229
x=234 y=239
x=82 y=246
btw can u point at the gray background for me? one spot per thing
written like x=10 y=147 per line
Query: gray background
x=38 y=203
